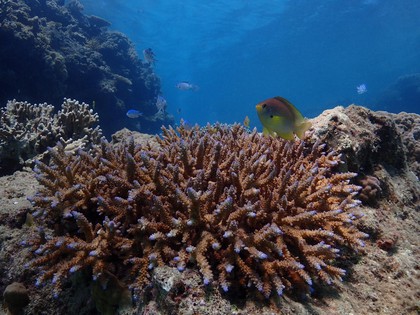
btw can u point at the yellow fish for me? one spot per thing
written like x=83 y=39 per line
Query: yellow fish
x=279 y=117
x=247 y=121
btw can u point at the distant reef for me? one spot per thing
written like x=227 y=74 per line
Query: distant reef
x=402 y=95
x=51 y=50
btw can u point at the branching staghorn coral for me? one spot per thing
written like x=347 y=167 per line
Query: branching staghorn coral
x=27 y=130
x=244 y=209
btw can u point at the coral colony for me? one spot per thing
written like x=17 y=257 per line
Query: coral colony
x=244 y=209
x=28 y=129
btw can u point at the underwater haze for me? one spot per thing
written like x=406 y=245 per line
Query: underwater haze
x=316 y=53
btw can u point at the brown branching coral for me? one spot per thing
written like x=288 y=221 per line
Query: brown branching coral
x=244 y=209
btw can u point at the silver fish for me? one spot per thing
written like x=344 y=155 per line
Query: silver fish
x=186 y=86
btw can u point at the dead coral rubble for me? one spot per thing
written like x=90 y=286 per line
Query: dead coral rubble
x=247 y=211
x=26 y=130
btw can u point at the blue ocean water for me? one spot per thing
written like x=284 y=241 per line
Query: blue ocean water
x=240 y=52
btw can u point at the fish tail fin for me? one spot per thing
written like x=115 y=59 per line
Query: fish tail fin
x=195 y=87
x=302 y=128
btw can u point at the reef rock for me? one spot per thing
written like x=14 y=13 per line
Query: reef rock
x=50 y=51
x=368 y=138
x=375 y=145
x=15 y=298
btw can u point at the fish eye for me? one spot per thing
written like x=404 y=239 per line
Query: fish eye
x=264 y=106
x=271 y=116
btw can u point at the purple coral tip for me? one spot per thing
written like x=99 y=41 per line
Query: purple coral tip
x=299 y=265
x=38 y=283
x=59 y=243
x=55 y=279
x=39 y=251
x=215 y=245
x=229 y=268
x=276 y=229
x=190 y=249
x=74 y=269
x=72 y=245
x=227 y=234
x=262 y=255
x=225 y=287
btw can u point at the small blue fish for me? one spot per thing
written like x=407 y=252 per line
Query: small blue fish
x=361 y=89
x=134 y=113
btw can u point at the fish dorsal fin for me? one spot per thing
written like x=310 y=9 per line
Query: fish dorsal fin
x=295 y=111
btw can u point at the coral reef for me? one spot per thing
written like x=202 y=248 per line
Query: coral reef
x=383 y=281
x=50 y=51
x=27 y=130
x=247 y=211
x=402 y=95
